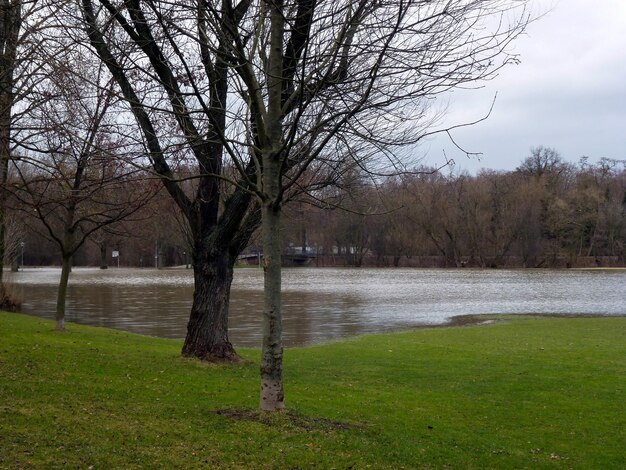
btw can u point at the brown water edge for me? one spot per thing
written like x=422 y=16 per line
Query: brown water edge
x=458 y=321
x=327 y=305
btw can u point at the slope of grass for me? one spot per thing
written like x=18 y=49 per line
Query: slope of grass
x=519 y=393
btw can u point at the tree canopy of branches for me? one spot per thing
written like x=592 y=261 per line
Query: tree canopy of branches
x=319 y=83
x=20 y=42
x=70 y=173
x=176 y=85
x=273 y=90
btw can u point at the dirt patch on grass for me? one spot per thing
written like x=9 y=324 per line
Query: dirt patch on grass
x=288 y=418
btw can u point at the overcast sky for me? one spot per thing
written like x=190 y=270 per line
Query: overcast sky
x=568 y=93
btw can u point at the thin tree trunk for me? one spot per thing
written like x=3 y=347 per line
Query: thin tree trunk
x=10 y=21
x=62 y=292
x=272 y=395
x=5 y=135
x=592 y=239
x=104 y=264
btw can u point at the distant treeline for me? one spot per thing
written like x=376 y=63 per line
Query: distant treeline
x=546 y=213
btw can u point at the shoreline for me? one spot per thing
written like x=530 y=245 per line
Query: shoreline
x=456 y=321
x=473 y=319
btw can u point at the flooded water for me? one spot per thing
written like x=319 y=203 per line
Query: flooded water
x=321 y=304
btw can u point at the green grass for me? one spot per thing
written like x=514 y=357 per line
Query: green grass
x=519 y=393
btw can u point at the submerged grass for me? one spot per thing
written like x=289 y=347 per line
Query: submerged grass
x=518 y=393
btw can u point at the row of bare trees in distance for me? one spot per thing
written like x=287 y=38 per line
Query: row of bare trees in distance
x=546 y=213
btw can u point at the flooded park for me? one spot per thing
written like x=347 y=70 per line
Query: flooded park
x=321 y=304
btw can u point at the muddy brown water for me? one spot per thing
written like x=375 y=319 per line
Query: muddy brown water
x=321 y=304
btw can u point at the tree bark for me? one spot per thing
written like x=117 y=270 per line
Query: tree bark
x=207 y=329
x=272 y=395
x=6 y=103
x=66 y=268
x=213 y=259
x=104 y=264
x=10 y=24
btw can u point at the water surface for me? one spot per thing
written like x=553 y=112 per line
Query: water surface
x=320 y=304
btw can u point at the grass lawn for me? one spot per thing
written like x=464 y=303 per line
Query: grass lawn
x=519 y=393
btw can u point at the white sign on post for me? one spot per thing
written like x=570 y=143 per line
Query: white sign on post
x=116 y=254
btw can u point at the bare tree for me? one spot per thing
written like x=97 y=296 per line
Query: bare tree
x=320 y=82
x=172 y=73
x=70 y=175
x=279 y=87
x=20 y=24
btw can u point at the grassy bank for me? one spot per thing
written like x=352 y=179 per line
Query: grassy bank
x=523 y=393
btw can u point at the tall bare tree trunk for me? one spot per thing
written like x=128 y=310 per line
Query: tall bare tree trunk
x=216 y=245
x=5 y=135
x=10 y=24
x=104 y=263
x=4 y=169
x=272 y=395
x=66 y=268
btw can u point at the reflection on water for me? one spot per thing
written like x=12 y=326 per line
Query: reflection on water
x=320 y=304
